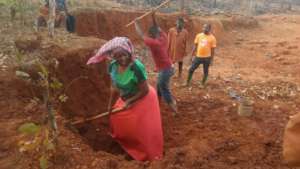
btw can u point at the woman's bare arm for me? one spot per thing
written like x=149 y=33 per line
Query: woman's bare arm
x=143 y=91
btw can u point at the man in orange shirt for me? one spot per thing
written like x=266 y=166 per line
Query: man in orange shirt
x=205 y=44
x=177 y=38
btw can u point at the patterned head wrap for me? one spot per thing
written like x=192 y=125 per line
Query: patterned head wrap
x=104 y=52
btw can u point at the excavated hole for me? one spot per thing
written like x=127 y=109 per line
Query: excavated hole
x=98 y=138
x=88 y=97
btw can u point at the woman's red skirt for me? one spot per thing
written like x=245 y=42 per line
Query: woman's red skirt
x=138 y=129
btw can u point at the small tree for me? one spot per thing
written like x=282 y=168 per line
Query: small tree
x=13 y=12
x=41 y=138
x=51 y=21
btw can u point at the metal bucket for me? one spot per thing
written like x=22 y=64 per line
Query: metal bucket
x=245 y=108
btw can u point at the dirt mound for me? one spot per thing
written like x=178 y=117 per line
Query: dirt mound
x=238 y=21
x=28 y=43
x=110 y=23
x=85 y=86
x=208 y=133
x=244 y=21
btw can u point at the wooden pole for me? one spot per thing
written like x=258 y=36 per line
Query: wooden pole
x=149 y=12
x=215 y=4
x=182 y=6
x=90 y=119
x=95 y=117
x=51 y=20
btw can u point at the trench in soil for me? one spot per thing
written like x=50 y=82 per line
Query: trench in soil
x=88 y=97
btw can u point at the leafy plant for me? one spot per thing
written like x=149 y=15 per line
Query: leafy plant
x=42 y=138
x=36 y=138
x=29 y=128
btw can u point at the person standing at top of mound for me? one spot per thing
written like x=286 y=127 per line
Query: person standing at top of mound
x=137 y=125
x=204 y=46
x=177 y=38
x=157 y=41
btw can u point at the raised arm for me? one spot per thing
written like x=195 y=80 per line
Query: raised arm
x=138 y=29
x=169 y=40
x=154 y=19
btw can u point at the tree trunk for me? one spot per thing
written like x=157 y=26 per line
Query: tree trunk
x=289 y=4
x=251 y=7
x=51 y=20
x=182 y=5
x=12 y=12
x=22 y=6
x=215 y=4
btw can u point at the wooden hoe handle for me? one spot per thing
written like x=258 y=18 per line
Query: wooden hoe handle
x=94 y=117
x=149 y=12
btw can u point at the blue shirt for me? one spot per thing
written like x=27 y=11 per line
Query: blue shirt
x=60 y=4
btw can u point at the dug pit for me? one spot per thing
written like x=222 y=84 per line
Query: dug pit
x=108 y=24
x=87 y=87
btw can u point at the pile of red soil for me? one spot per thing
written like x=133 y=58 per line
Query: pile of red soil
x=237 y=21
x=208 y=134
x=107 y=24
x=87 y=87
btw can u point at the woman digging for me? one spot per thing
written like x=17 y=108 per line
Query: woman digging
x=137 y=127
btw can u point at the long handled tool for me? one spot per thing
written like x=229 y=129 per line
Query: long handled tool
x=71 y=125
x=94 y=117
x=147 y=13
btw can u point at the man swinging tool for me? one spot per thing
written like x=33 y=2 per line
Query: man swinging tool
x=157 y=41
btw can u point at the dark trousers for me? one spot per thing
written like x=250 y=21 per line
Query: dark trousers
x=196 y=63
x=180 y=65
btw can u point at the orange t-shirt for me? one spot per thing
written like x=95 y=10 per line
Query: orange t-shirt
x=204 y=44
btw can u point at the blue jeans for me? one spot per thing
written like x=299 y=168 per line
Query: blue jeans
x=163 y=81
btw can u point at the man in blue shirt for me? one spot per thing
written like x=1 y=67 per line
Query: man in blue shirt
x=60 y=5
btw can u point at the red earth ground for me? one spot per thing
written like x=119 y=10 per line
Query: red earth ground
x=259 y=61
